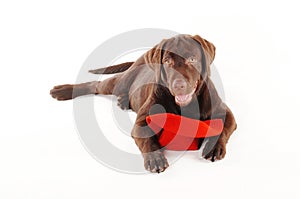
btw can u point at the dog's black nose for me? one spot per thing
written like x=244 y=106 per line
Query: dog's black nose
x=179 y=85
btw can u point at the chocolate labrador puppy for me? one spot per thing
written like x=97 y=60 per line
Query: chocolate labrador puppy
x=172 y=77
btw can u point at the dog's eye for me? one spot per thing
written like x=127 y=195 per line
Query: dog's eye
x=192 y=60
x=168 y=61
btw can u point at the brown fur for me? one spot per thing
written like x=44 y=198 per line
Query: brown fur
x=167 y=70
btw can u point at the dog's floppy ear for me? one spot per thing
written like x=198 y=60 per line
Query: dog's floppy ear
x=209 y=50
x=153 y=58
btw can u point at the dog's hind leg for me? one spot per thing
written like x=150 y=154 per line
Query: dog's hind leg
x=71 y=91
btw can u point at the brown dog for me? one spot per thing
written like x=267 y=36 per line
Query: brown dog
x=174 y=74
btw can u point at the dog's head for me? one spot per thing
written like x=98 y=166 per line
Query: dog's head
x=182 y=64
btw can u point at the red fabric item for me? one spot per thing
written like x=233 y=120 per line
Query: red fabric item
x=182 y=133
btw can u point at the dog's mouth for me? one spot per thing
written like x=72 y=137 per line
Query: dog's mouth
x=183 y=100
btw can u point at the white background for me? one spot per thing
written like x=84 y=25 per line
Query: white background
x=44 y=43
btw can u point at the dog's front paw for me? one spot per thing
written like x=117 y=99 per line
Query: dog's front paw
x=62 y=92
x=215 y=152
x=155 y=161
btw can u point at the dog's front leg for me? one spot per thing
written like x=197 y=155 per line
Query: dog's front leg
x=215 y=149
x=146 y=140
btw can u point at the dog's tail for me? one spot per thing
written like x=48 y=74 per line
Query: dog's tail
x=112 y=69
